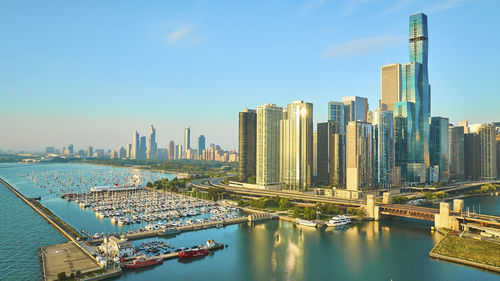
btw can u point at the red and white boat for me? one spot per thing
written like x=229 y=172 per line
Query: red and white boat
x=138 y=263
x=194 y=252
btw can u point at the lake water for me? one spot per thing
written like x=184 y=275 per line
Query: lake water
x=394 y=249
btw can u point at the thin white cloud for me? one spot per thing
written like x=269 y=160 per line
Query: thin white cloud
x=359 y=47
x=445 y=6
x=309 y=5
x=350 y=6
x=177 y=35
x=398 y=6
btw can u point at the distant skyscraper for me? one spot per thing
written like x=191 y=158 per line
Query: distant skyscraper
x=355 y=109
x=50 y=149
x=456 y=140
x=135 y=146
x=187 y=139
x=465 y=124
x=70 y=149
x=201 y=144
x=247 y=143
x=439 y=146
x=268 y=144
x=315 y=155
x=391 y=85
x=472 y=167
x=331 y=154
x=152 y=146
x=383 y=147
x=336 y=113
x=122 y=152
x=498 y=155
x=178 y=151
x=359 y=151
x=404 y=137
x=90 y=151
x=171 y=150
x=488 y=152
x=142 y=148
x=296 y=149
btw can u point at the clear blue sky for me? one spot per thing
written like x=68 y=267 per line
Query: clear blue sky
x=92 y=72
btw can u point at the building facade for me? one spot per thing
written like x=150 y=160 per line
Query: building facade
x=152 y=148
x=201 y=144
x=391 y=86
x=383 y=147
x=439 y=146
x=359 y=152
x=296 y=146
x=268 y=144
x=247 y=143
x=488 y=152
x=456 y=146
x=331 y=154
x=336 y=113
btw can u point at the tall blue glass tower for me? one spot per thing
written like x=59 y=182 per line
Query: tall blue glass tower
x=415 y=89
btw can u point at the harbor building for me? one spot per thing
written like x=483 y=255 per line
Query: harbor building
x=331 y=154
x=487 y=151
x=247 y=143
x=359 y=151
x=439 y=147
x=268 y=144
x=456 y=146
x=296 y=146
x=383 y=147
x=391 y=85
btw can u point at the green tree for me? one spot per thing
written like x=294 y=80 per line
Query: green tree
x=284 y=203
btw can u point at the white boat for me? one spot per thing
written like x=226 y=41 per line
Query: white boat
x=115 y=188
x=306 y=222
x=339 y=221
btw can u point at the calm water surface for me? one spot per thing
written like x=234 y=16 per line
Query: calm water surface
x=394 y=249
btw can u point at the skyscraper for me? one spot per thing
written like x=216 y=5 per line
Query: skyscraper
x=498 y=155
x=403 y=134
x=456 y=140
x=488 y=152
x=142 y=148
x=355 y=109
x=296 y=145
x=90 y=151
x=171 y=150
x=187 y=139
x=391 y=85
x=359 y=151
x=439 y=146
x=201 y=144
x=152 y=146
x=268 y=144
x=330 y=156
x=70 y=149
x=472 y=167
x=135 y=146
x=336 y=113
x=383 y=147
x=247 y=143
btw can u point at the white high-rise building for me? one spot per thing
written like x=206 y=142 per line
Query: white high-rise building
x=151 y=151
x=296 y=149
x=135 y=146
x=187 y=139
x=268 y=144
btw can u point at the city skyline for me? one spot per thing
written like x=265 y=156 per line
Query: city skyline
x=35 y=105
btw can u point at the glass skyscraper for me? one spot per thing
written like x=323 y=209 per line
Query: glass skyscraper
x=415 y=89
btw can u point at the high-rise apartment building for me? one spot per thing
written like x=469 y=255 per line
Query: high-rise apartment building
x=268 y=144
x=315 y=155
x=201 y=144
x=391 y=85
x=142 y=148
x=488 y=152
x=331 y=154
x=355 y=109
x=70 y=149
x=296 y=146
x=187 y=139
x=171 y=150
x=498 y=155
x=472 y=165
x=383 y=147
x=439 y=146
x=247 y=143
x=135 y=146
x=359 y=151
x=336 y=113
x=456 y=145
x=151 y=151
x=122 y=152
x=90 y=151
